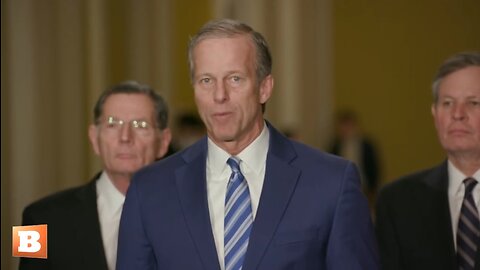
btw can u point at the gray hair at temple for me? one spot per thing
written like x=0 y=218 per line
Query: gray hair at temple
x=229 y=28
x=456 y=62
x=133 y=87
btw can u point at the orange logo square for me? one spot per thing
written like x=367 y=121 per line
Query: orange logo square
x=29 y=241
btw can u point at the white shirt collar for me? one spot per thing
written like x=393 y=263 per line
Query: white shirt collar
x=112 y=196
x=253 y=156
x=456 y=178
x=109 y=205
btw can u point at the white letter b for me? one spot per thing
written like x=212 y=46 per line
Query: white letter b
x=29 y=241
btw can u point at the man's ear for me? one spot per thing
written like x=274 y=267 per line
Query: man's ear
x=165 y=138
x=266 y=89
x=93 y=136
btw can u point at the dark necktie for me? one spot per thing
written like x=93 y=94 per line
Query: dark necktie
x=468 y=232
x=238 y=218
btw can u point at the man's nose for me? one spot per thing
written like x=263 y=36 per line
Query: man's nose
x=220 y=93
x=126 y=132
x=459 y=112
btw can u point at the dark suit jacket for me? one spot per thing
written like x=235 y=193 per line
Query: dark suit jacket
x=74 y=237
x=413 y=223
x=311 y=214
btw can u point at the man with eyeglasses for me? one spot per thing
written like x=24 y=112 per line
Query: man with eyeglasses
x=129 y=132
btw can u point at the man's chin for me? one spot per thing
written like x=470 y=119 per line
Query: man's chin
x=222 y=137
x=463 y=150
x=128 y=170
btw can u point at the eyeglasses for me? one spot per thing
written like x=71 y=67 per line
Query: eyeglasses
x=113 y=124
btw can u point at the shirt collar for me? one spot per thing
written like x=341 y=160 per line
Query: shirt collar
x=106 y=189
x=456 y=178
x=253 y=156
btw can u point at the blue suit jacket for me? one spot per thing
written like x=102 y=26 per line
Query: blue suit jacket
x=311 y=214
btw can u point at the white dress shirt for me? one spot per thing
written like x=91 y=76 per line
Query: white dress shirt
x=252 y=164
x=109 y=204
x=456 y=191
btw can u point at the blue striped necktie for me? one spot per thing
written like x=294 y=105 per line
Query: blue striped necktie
x=238 y=218
x=468 y=233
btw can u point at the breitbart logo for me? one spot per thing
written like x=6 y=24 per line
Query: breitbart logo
x=29 y=241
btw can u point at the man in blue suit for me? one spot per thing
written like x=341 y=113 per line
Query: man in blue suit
x=293 y=207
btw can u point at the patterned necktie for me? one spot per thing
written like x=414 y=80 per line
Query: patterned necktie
x=468 y=232
x=238 y=217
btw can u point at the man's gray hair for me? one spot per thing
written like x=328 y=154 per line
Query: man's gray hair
x=133 y=87
x=456 y=62
x=230 y=28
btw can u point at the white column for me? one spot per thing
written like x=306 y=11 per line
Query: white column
x=162 y=50
x=288 y=88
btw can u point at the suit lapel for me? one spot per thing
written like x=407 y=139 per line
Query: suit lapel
x=87 y=227
x=192 y=190
x=438 y=182
x=278 y=187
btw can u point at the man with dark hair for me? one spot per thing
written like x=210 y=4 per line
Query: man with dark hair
x=429 y=219
x=244 y=196
x=189 y=129
x=129 y=131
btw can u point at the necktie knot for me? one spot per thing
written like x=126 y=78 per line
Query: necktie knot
x=234 y=164
x=470 y=183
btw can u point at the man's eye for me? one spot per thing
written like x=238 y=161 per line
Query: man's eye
x=236 y=79
x=446 y=103
x=142 y=124
x=111 y=122
x=475 y=103
x=205 y=80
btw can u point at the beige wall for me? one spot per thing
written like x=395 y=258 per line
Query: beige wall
x=386 y=54
x=372 y=56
